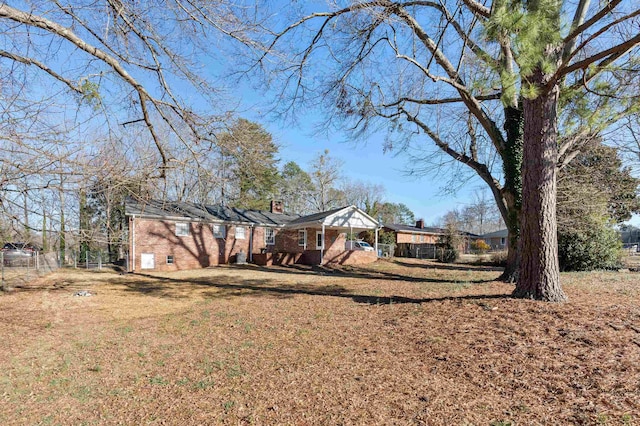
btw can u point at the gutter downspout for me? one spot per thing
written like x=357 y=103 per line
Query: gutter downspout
x=133 y=243
x=251 y=244
x=322 y=247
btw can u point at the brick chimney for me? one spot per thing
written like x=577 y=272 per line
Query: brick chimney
x=277 y=207
x=420 y=224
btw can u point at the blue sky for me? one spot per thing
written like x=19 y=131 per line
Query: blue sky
x=364 y=161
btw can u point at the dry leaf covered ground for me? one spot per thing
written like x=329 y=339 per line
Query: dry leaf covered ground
x=402 y=342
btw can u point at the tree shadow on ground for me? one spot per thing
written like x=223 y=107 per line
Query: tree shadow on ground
x=354 y=272
x=227 y=286
x=452 y=267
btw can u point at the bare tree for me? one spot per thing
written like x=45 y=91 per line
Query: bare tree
x=127 y=62
x=325 y=172
x=486 y=84
x=366 y=196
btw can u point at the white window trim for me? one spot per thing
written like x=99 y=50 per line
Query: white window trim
x=179 y=226
x=173 y=259
x=244 y=233
x=304 y=238
x=223 y=229
x=321 y=246
x=272 y=240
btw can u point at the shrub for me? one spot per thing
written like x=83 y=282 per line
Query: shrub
x=592 y=247
x=499 y=258
x=448 y=245
x=447 y=255
x=479 y=246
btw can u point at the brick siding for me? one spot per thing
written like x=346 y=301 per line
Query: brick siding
x=406 y=238
x=199 y=249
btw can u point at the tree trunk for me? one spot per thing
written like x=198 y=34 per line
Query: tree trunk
x=512 y=267
x=512 y=193
x=539 y=271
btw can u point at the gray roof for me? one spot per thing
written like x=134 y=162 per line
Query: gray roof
x=168 y=209
x=315 y=217
x=408 y=228
x=503 y=233
x=397 y=227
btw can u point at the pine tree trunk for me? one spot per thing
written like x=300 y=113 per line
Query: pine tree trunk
x=512 y=268
x=512 y=193
x=539 y=271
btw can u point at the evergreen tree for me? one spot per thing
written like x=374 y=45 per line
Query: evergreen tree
x=252 y=166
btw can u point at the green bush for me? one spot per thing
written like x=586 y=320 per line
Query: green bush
x=448 y=244
x=447 y=255
x=593 y=247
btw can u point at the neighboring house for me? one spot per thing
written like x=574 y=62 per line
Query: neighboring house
x=630 y=237
x=421 y=241
x=173 y=236
x=496 y=240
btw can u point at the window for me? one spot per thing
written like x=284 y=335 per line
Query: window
x=413 y=238
x=240 y=233
x=319 y=245
x=169 y=260
x=302 y=238
x=219 y=231
x=422 y=238
x=502 y=241
x=182 y=229
x=269 y=236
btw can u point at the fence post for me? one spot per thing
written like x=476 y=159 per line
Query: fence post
x=99 y=260
x=86 y=258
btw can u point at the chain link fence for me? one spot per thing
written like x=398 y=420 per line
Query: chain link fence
x=386 y=250
x=18 y=270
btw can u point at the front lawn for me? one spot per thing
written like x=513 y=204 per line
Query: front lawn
x=401 y=342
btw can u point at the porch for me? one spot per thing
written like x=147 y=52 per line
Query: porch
x=320 y=239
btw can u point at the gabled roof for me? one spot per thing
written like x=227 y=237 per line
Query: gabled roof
x=192 y=211
x=502 y=233
x=343 y=217
x=408 y=228
x=426 y=230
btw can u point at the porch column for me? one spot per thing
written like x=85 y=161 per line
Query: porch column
x=377 y=252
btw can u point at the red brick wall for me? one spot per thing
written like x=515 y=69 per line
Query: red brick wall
x=197 y=250
x=200 y=249
x=287 y=241
x=402 y=237
x=355 y=257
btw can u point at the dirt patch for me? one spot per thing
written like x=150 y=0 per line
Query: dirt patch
x=405 y=342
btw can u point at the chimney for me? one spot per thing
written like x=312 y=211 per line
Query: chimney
x=420 y=223
x=277 y=207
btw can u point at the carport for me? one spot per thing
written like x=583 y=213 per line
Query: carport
x=349 y=220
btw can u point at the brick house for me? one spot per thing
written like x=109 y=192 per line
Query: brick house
x=497 y=240
x=166 y=236
x=421 y=241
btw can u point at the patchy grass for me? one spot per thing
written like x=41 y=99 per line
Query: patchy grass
x=402 y=342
